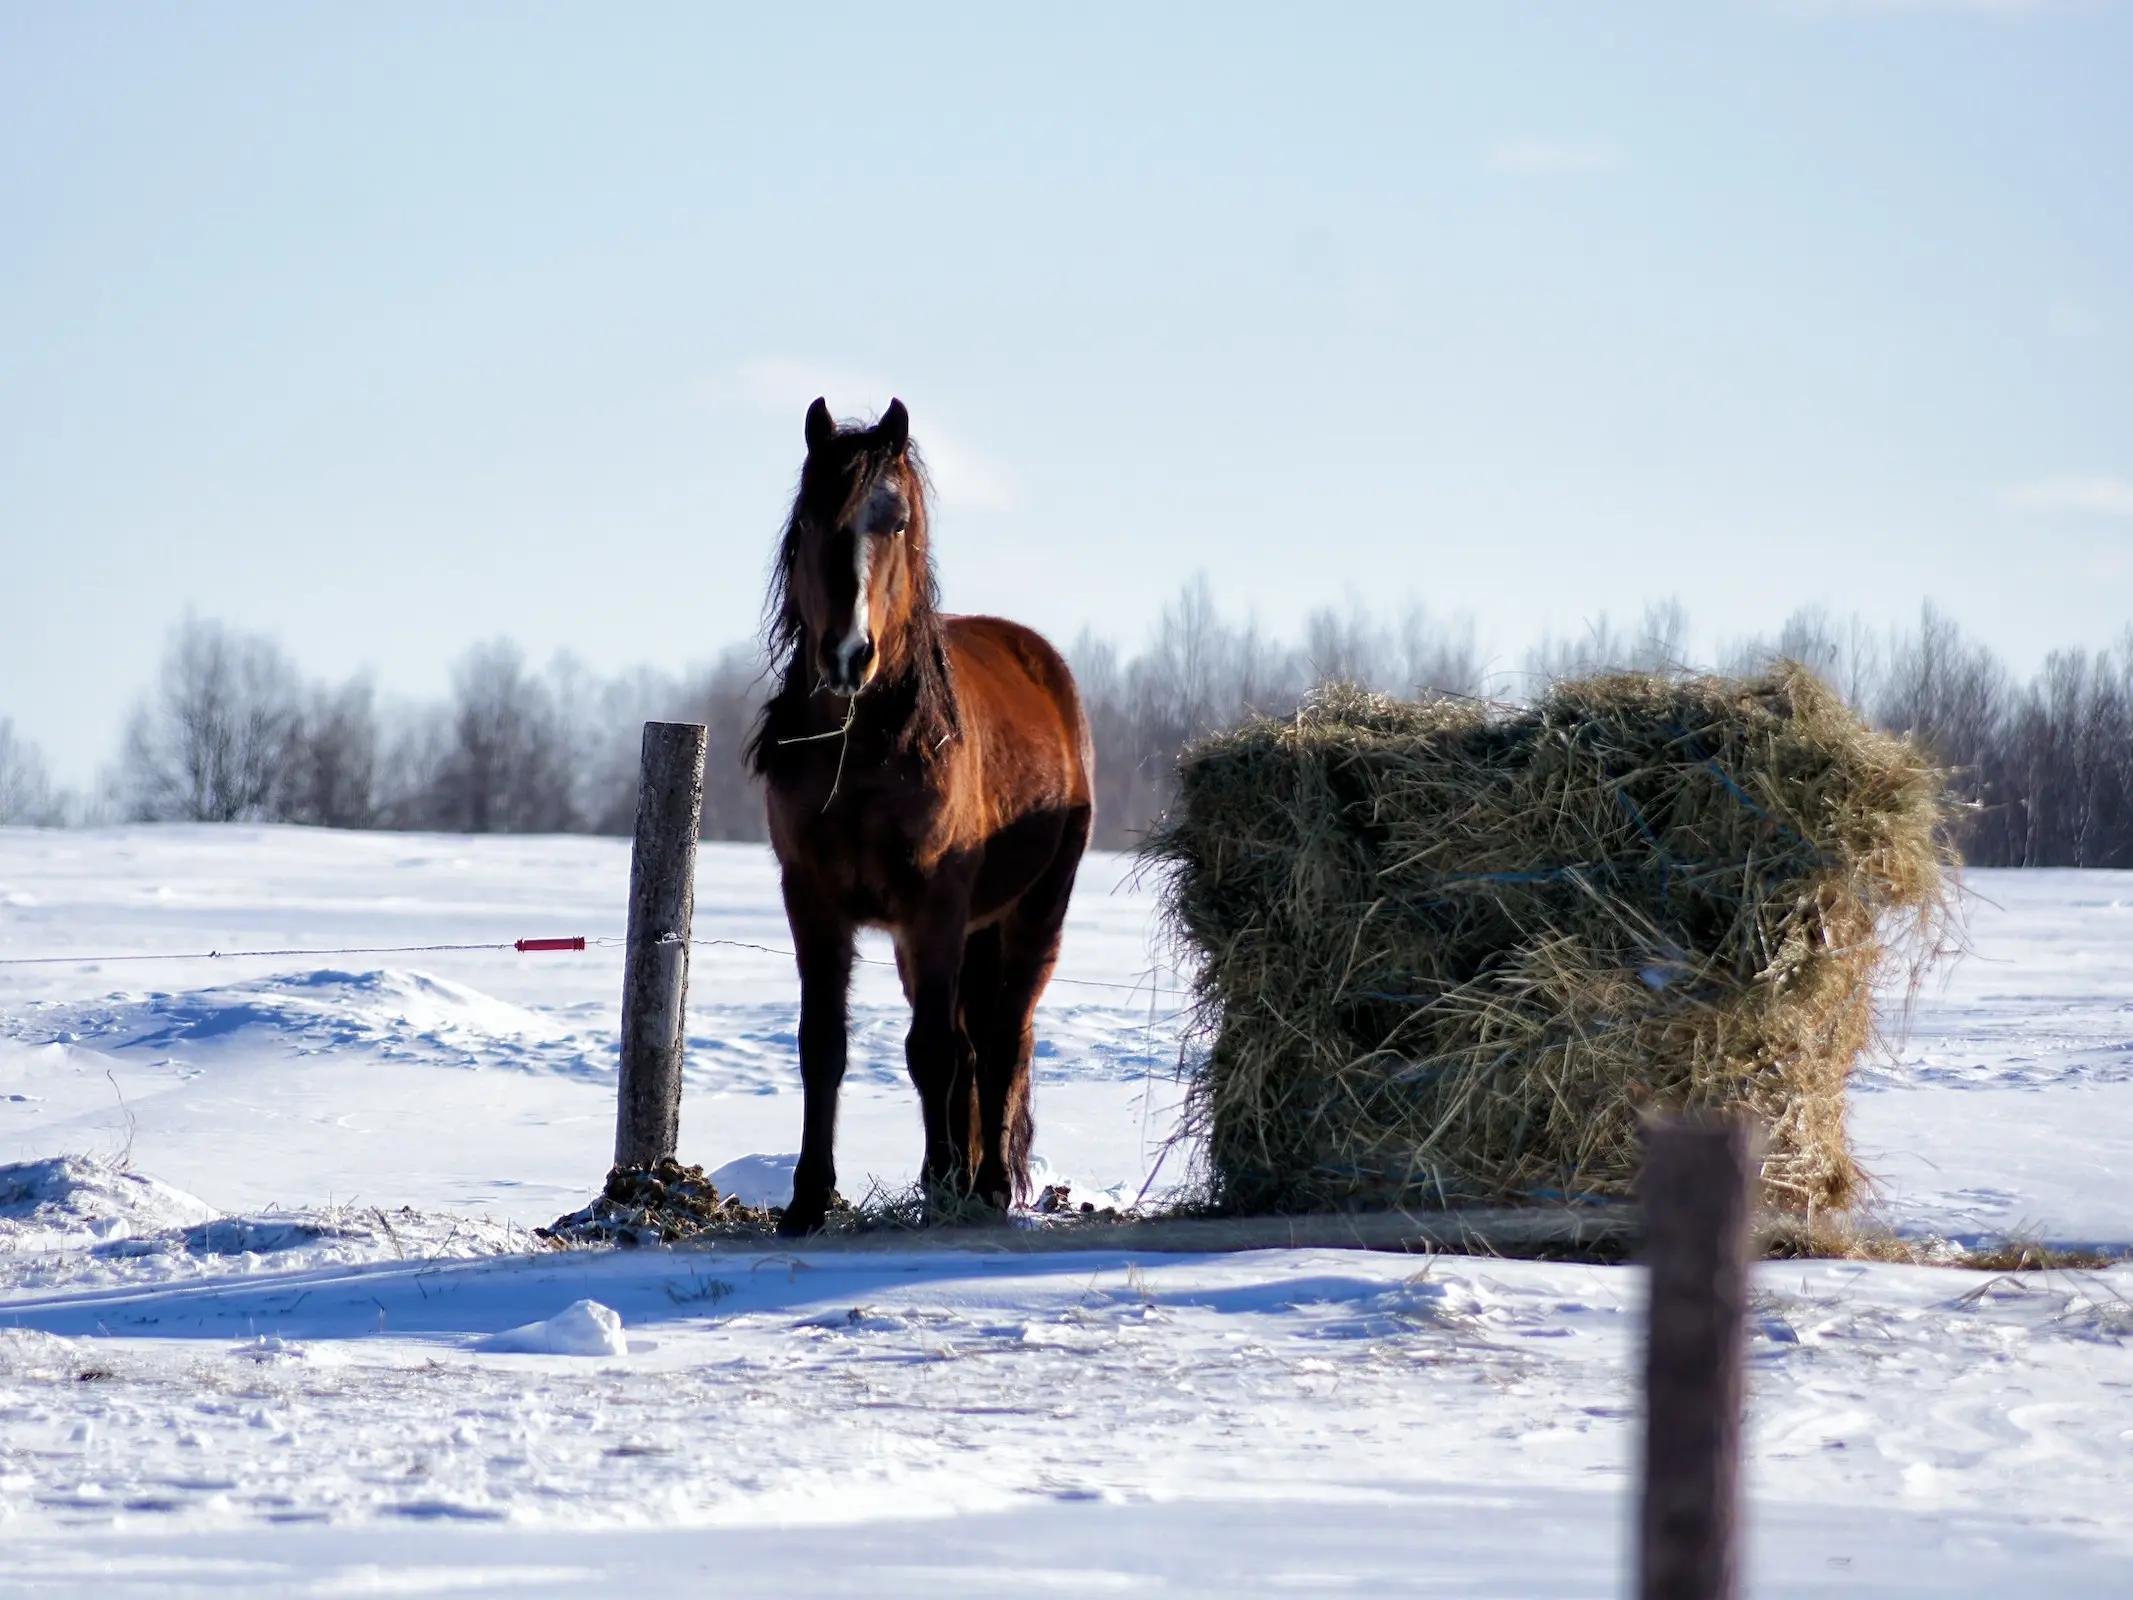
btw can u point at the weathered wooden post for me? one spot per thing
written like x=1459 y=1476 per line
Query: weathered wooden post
x=1695 y=1191
x=655 y=965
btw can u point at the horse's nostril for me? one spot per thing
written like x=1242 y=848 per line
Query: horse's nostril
x=845 y=664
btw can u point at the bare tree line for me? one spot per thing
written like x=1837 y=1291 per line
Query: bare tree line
x=1199 y=672
x=2044 y=769
x=231 y=731
x=27 y=797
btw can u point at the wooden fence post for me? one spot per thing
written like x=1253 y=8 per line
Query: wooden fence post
x=1697 y=1205
x=655 y=965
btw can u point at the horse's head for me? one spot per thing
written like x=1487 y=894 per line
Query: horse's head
x=854 y=569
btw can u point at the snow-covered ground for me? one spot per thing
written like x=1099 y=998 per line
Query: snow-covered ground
x=267 y=1297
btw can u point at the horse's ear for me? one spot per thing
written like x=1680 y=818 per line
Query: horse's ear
x=821 y=426
x=895 y=427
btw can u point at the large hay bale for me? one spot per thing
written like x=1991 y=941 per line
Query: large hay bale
x=1450 y=953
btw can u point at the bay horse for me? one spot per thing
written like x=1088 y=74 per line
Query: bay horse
x=925 y=774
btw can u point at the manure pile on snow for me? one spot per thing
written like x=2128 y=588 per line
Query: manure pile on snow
x=1450 y=953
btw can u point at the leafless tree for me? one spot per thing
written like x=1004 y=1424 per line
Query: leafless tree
x=1942 y=687
x=2068 y=765
x=1845 y=655
x=1189 y=666
x=1199 y=672
x=1349 y=646
x=331 y=776
x=211 y=742
x=607 y=723
x=501 y=752
x=1436 y=657
x=1659 y=643
x=1128 y=797
x=1196 y=673
x=1953 y=696
x=27 y=798
x=605 y=740
x=1412 y=653
x=725 y=699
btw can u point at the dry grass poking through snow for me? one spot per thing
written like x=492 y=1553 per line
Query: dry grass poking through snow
x=1822 y=1237
x=1450 y=953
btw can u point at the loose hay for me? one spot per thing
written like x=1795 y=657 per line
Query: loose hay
x=1451 y=953
x=669 y=1203
x=659 y=1204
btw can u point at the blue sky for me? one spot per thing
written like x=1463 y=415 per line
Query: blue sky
x=385 y=329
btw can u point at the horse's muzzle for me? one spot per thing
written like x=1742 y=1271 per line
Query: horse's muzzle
x=845 y=669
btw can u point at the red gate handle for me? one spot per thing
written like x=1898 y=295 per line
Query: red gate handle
x=524 y=945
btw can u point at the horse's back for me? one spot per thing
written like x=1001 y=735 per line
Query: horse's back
x=1018 y=692
x=1000 y=648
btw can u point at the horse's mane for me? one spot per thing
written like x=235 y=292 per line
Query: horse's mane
x=913 y=698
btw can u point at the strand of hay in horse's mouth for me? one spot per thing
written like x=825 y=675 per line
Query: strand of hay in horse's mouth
x=1451 y=954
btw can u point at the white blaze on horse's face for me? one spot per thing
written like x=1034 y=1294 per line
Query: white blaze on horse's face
x=854 y=658
x=854 y=654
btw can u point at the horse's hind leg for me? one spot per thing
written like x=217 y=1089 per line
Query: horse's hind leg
x=962 y=1125
x=977 y=990
x=935 y=1050
x=1005 y=1127
x=1029 y=948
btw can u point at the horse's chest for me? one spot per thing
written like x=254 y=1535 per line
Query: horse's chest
x=870 y=856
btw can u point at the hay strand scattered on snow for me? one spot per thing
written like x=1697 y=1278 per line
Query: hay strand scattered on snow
x=1451 y=953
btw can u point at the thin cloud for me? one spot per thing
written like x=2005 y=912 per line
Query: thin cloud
x=966 y=479
x=2096 y=495
x=781 y=386
x=1551 y=157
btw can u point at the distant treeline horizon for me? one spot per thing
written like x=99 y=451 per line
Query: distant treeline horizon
x=232 y=731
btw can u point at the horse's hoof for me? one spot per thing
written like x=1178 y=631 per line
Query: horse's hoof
x=996 y=1194
x=797 y=1221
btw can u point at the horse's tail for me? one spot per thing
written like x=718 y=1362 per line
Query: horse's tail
x=1021 y=1136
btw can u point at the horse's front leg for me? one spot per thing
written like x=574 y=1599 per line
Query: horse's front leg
x=935 y=1051
x=822 y=944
